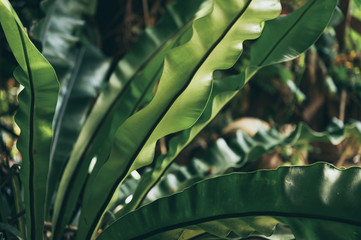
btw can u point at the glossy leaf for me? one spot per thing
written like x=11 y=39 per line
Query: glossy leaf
x=242 y=151
x=317 y=202
x=225 y=89
x=186 y=83
x=37 y=105
x=238 y=153
x=294 y=33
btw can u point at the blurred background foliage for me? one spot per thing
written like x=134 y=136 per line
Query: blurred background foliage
x=320 y=86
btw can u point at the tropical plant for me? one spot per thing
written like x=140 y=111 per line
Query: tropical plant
x=81 y=144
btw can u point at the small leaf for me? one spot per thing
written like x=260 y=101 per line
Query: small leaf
x=287 y=36
x=11 y=230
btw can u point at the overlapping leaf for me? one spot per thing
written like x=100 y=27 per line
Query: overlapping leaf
x=238 y=153
x=37 y=106
x=225 y=89
x=317 y=202
x=129 y=87
x=66 y=45
x=243 y=150
x=182 y=94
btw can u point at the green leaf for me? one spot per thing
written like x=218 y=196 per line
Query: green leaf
x=317 y=202
x=225 y=89
x=12 y=230
x=186 y=84
x=239 y=152
x=37 y=105
x=285 y=37
x=60 y=30
x=78 y=95
x=67 y=45
x=129 y=87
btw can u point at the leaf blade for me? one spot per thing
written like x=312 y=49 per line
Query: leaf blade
x=129 y=84
x=35 y=115
x=288 y=194
x=295 y=33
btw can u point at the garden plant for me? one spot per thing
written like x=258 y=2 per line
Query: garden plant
x=91 y=127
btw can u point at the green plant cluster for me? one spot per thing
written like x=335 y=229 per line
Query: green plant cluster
x=99 y=136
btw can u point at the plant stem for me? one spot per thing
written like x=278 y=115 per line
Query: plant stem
x=342 y=105
x=342 y=27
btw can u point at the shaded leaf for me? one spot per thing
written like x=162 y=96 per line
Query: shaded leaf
x=238 y=153
x=225 y=89
x=129 y=87
x=317 y=202
x=12 y=230
x=81 y=68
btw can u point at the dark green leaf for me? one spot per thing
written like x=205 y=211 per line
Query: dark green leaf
x=81 y=68
x=222 y=157
x=10 y=230
x=317 y=202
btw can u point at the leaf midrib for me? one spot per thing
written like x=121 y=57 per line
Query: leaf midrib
x=285 y=34
x=31 y=136
x=245 y=214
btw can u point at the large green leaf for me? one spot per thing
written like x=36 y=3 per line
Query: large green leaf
x=241 y=151
x=238 y=153
x=69 y=49
x=317 y=202
x=35 y=115
x=128 y=89
x=225 y=89
x=182 y=95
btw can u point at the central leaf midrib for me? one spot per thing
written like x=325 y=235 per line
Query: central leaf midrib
x=285 y=34
x=31 y=137
x=200 y=63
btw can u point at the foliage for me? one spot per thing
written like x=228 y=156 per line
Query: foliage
x=241 y=216
x=112 y=115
